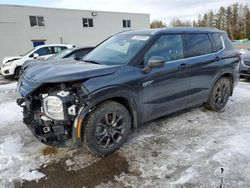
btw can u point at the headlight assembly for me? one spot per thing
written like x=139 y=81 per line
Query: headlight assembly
x=7 y=64
x=53 y=107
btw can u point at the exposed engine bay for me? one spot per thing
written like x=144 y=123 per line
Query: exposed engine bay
x=50 y=111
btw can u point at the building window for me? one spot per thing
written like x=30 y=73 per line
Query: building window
x=87 y=22
x=36 y=21
x=126 y=23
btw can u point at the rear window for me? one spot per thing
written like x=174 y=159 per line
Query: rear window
x=218 y=45
x=197 y=44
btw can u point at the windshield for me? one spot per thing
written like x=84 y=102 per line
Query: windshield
x=60 y=55
x=118 y=50
x=28 y=52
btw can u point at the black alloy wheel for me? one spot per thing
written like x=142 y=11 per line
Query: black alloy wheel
x=220 y=94
x=107 y=127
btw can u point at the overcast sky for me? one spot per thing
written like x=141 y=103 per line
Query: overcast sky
x=164 y=10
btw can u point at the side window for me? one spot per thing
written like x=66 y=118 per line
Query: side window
x=167 y=46
x=217 y=40
x=197 y=44
x=59 y=49
x=45 y=51
x=41 y=51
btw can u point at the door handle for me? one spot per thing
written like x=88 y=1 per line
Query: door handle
x=183 y=66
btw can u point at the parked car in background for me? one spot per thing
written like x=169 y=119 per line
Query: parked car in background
x=245 y=65
x=77 y=52
x=129 y=79
x=243 y=46
x=11 y=66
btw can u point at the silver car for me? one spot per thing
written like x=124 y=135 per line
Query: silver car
x=245 y=65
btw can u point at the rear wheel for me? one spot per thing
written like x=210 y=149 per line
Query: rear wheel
x=219 y=95
x=107 y=128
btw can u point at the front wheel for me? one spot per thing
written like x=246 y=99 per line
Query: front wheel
x=107 y=128
x=17 y=73
x=219 y=95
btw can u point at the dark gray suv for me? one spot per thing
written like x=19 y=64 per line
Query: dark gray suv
x=131 y=78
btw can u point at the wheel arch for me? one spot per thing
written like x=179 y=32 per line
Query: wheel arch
x=122 y=96
x=231 y=78
x=228 y=75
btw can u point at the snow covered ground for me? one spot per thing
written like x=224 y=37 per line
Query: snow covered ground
x=192 y=148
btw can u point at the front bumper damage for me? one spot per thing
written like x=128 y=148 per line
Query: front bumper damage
x=56 y=135
x=59 y=133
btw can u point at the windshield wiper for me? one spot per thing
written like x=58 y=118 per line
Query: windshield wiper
x=92 y=61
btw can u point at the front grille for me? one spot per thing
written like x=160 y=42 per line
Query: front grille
x=244 y=72
x=247 y=63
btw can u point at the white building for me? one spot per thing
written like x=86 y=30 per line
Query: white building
x=22 y=27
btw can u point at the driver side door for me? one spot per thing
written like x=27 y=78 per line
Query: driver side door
x=164 y=90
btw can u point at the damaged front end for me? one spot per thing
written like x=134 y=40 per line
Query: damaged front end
x=52 y=112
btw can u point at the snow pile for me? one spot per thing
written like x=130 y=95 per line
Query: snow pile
x=10 y=113
x=10 y=86
x=10 y=151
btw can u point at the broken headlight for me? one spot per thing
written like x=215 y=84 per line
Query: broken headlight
x=53 y=107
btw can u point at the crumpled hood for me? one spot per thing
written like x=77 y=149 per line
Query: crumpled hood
x=64 y=70
x=7 y=59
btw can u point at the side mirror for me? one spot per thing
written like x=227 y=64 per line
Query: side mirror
x=154 y=62
x=34 y=55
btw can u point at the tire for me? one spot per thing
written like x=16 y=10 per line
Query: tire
x=220 y=95
x=107 y=128
x=17 y=73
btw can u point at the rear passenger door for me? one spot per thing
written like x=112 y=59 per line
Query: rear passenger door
x=202 y=65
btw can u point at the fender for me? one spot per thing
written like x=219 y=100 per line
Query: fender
x=100 y=96
x=218 y=76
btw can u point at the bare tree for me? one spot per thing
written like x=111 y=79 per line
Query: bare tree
x=234 y=19
x=179 y=23
x=157 y=24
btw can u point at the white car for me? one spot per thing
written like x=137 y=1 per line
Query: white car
x=11 y=66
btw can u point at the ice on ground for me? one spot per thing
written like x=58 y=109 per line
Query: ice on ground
x=31 y=175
